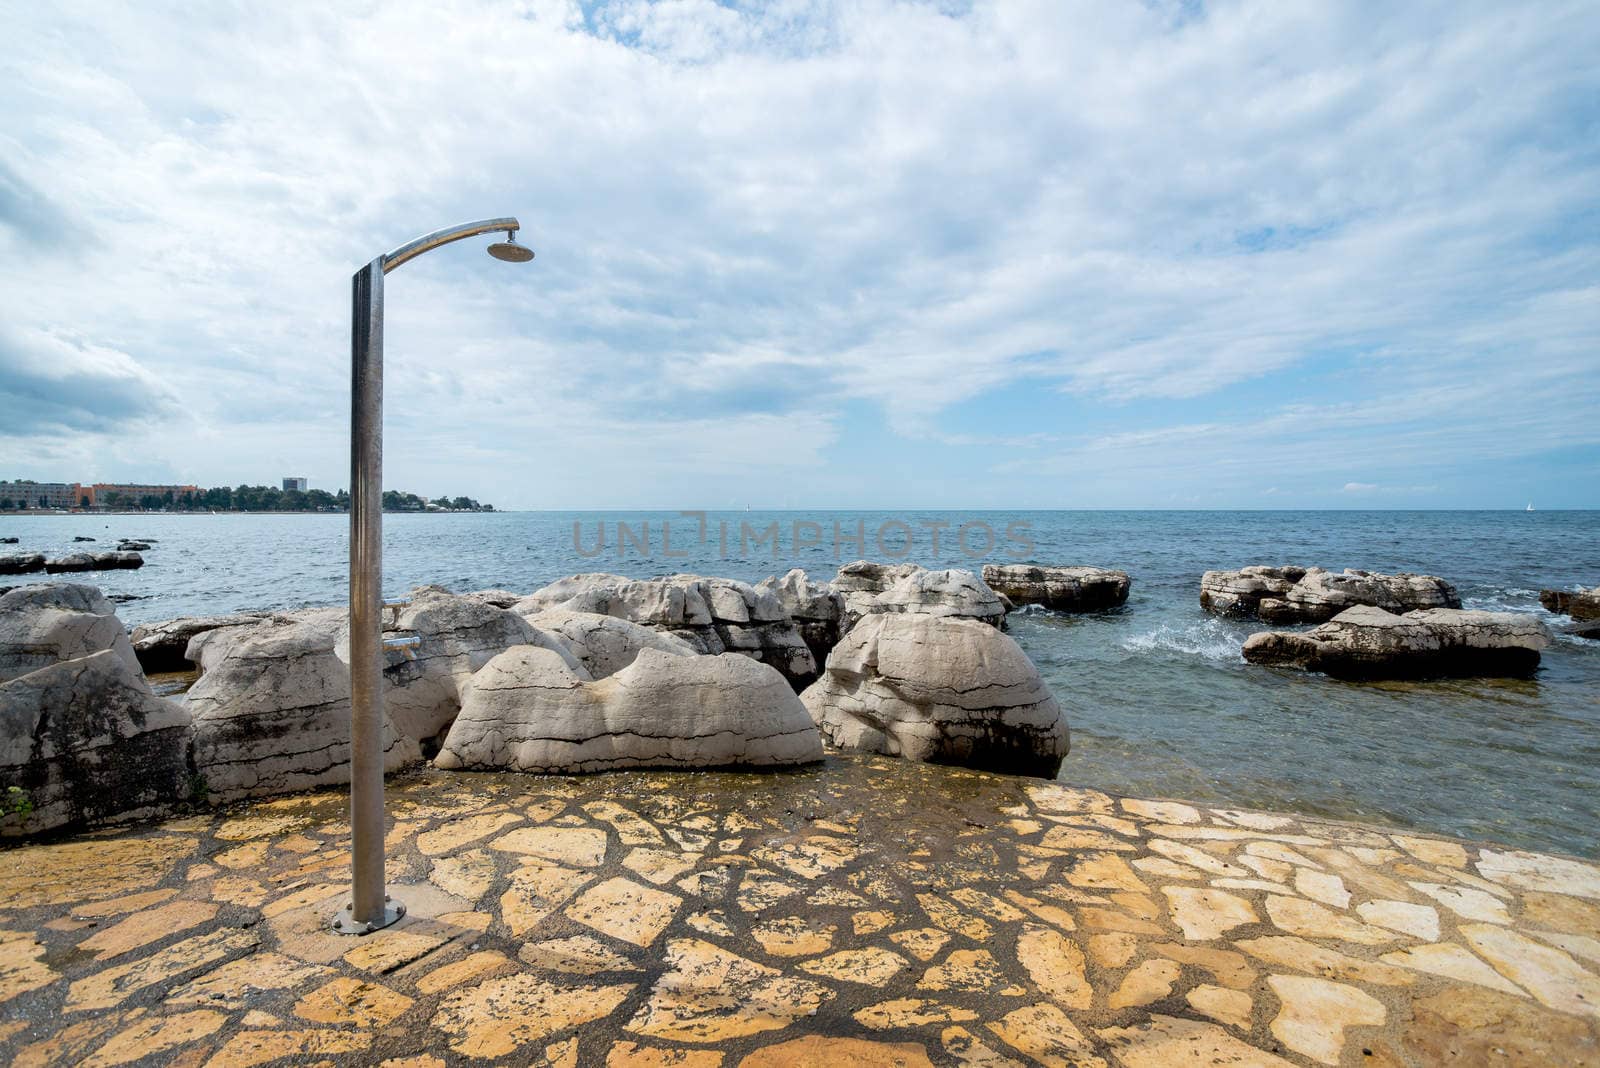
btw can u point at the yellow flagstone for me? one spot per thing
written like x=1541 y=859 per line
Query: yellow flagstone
x=625 y=910
x=1043 y=1033
x=1056 y=966
x=499 y=1016
x=572 y=847
x=1203 y=913
x=1315 y=1014
x=1168 y=1042
x=1544 y=971
x=709 y=994
x=352 y=1003
x=911 y=1012
x=1232 y=1007
x=1151 y=981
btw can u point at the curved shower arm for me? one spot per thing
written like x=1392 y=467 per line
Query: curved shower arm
x=428 y=242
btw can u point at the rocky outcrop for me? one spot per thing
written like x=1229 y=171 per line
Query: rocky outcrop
x=1580 y=604
x=49 y=622
x=111 y=561
x=272 y=711
x=1060 y=589
x=714 y=615
x=944 y=690
x=162 y=646
x=817 y=610
x=604 y=645
x=871 y=589
x=528 y=710
x=128 y=545
x=1316 y=595
x=1370 y=643
x=422 y=685
x=21 y=563
x=84 y=739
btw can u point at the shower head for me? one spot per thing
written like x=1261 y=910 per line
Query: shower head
x=510 y=251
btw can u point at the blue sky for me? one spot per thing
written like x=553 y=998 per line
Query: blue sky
x=813 y=254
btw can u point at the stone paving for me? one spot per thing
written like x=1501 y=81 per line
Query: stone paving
x=867 y=911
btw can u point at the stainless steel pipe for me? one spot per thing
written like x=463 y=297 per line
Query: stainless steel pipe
x=370 y=908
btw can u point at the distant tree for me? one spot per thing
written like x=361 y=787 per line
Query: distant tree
x=320 y=500
x=83 y=502
x=5 y=504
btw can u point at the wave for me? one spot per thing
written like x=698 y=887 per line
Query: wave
x=1209 y=639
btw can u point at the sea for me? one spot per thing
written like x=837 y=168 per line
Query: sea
x=1160 y=702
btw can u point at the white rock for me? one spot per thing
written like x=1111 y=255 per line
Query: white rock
x=606 y=644
x=1367 y=642
x=272 y=711
x=86 y=739
x=49 y=622
x=714 y=615
x=528 y=710
x=871 y=589
x=932 y=688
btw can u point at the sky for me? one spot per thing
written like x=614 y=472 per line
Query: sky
x=815 y=254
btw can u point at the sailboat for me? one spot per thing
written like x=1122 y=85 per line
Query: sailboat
x=1530 y=506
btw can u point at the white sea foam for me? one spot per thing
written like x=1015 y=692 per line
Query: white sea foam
x=1209 y=639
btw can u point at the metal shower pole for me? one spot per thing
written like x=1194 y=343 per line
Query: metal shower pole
x=370 y=908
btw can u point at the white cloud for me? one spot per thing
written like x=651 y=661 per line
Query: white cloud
x=748 y=219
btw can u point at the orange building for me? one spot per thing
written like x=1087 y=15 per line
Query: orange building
x=130 y=493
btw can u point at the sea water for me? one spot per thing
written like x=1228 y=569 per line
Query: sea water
x=1160 y=702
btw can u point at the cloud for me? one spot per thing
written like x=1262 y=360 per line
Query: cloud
x=53 y=384
x=1359 y=487
x=1188 y=244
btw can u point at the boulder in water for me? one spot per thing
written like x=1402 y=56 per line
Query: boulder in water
x=939 y=689
x=111 y=561
x=1370 y=643
x=21 y=563
x=1580 y=604
x=871 y=589
x=527 y=710
x=1060 y=589
x=1316 y=595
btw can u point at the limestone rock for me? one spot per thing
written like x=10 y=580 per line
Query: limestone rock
x=1367 y=642
x=528 y=710
x=1060 y=589
x=49 y=622
x=1316 y=595
x=604 y=645
x=272 y=711
x=85 y=739
x=110 y=561
x=818 y=610
x=21 y=563
x=422 y=686
x=161 y=646
x=714 y=615
x=871 y=589
x=931 y=688
x=1580 y=604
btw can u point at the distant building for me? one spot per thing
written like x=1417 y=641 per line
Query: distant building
x=131 y=495
x=295 y=484
x=28 y=494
